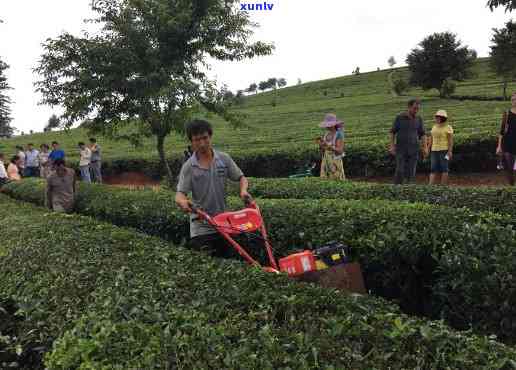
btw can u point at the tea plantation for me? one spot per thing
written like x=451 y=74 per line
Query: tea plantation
x=85 y=294
x=281 y=125
x=113 y=285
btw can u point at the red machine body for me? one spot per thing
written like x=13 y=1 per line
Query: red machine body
x=247 y=220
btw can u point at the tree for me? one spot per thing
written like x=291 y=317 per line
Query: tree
x=299 y=82
x=391 y=61
x=144 y=68
x=503 y=54
x=272 y=83
x=282 y=82
x=53 y=123
x=508 y=4
x=252 y=88
x=263 y=85
x=5 y=103
x=438 y=58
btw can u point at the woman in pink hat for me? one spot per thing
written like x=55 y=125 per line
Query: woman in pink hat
x=332 y=146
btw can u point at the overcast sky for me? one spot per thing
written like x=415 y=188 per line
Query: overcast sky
x=314 y=39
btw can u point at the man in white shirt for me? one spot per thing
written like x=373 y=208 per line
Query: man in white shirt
x=31 y=161
x=84 y=162
x=3 y=173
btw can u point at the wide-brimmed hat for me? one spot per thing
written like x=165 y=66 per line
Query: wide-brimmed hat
x=441 y=113
x=330 y=120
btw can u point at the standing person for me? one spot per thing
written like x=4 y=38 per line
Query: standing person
x=60 y=190
x=204 y=175
x=13 y=170
x=3 y=173
x=21 y=163
x=441 y=146
x=44 y=161
x=407 y=137
x=96 y=161
x=31 y=161
x=56 y=153
x=507 y=140
x=84 y=162
x=332 y=147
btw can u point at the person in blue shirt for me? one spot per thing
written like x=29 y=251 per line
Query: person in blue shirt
x=56 y=153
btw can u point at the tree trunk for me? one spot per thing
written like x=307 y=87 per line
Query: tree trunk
x=163 y=159
x=505 y=90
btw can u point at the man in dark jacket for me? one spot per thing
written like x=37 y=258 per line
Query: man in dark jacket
x=407 y=138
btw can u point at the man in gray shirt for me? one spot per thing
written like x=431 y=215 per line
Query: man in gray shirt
x=204 y=175
x=407 y=137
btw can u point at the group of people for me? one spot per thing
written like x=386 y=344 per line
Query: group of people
x=30 y=162
x=50 y=165
x=409 y=142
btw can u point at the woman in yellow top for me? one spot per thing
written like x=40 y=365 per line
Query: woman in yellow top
x=441 y=146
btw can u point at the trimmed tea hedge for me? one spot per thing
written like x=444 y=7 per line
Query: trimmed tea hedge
x=412 y=253
x=472 y=154
x=111 y=298
x=500 y=200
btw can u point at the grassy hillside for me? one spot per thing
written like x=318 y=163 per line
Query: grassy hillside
x=364 y=102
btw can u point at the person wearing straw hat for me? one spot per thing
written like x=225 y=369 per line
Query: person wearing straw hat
x=441 y=146
x=332 y=147
x=408 y=137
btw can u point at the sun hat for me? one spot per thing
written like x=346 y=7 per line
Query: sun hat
x=330 y=120
x=441 y=113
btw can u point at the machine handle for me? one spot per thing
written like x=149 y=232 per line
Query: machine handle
x=248 y=201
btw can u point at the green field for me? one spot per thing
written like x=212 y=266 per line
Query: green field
x=364 y=102
x=113 y=286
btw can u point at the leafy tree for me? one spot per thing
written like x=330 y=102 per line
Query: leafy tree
x=508 y=4
x=53 y=123
x=146 y=65
x=5 y=101
x=282 y=82
x=253 y=88
x=392 y=62
x=438 y=58
x=503 y=54
x=272 y=83
x=263 y=85
x=299 y=82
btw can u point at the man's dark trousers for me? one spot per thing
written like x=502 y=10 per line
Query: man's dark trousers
x=406 y=163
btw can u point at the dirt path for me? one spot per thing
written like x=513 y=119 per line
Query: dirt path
x=132 y=180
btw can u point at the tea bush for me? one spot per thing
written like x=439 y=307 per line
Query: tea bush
x=111 y=298
x=499 y=200
x=411 y=253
